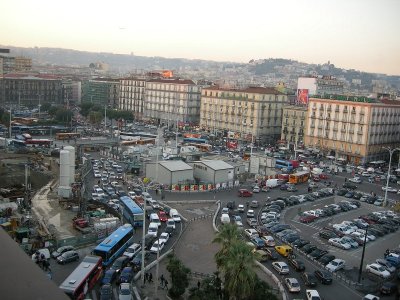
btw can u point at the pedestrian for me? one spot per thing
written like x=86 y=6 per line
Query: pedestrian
x=150 y=277
x=145 y=277
x=198 y=285
x=345 y=180
x=247 y=204
x=162 y=279
x=166 y=284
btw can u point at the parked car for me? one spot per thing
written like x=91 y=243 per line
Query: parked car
x=251 y=233
x=250 y=213
x=386 y=264
x=388 y=288
x=61 y=250
x=67 y=257
x=326 y=259
x=377 y=270
x=335 y=265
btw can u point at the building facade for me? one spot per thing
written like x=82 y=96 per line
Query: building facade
x=354 y=129
x=30 y=90
x=293 y=124
x=253 y=113
x=132 y=94
x=11 y=64
x=320 y=85
x=101 y=91
x=171 y=101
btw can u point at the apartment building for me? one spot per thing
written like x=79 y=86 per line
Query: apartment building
x=253 y=113
x=132 y=94
x=101 y=91
x=170 y=101
x=293 y=124
x=353 y=128
x=30 y=89
x=320 y=85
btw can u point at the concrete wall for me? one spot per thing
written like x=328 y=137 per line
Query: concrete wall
x=204 y=173
x=179 y=176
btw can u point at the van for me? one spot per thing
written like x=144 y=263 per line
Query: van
x=43 y=251
x=225 y=219
x=155 y=219
x=272 y=183
x=153 y=229
x=284 y=250
x=173 y=213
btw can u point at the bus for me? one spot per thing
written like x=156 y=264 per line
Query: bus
x=83 y=278
x=115 y=244
x=138 y=142
x=17 y=143
x=67 y=135
x=195 y=140
x=202 y=147
x=39 y=142
x=283 y=164
x=136 y=135
x=132 y=212
x=299 y=177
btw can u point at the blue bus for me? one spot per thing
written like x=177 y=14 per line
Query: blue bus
x=115 y=244
x=131 y=211
x=195 y=140
x=283 y=164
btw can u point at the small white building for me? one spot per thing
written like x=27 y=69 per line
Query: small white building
x=213 y=171
x=170 y=172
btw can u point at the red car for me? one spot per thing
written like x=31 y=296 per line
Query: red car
x=323 y=176
x=316 y=178
x=162 y=216
x=244 y=193
x=307 y=219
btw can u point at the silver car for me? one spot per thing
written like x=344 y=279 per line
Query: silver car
x=292 y=285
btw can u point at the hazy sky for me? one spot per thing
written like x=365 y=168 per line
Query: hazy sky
x=359 y=34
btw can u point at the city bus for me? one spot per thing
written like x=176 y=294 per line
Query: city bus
x=67 y=135
x=115 y=244
x=195 y=140
x=136 y=135
x=39 y=142
x=299 y=177
x=132 y=212
x=283 y=164
x=202 y=147
x=138 y=142
x=83 y=278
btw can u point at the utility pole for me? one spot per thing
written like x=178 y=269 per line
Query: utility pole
x=105 y=118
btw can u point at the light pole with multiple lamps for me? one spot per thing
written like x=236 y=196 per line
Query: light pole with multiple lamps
x=391 y=151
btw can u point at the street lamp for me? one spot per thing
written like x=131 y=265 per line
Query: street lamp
x=362 y=255
x=391 y=151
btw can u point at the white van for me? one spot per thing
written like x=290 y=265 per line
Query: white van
x=155 y=219
x=173 y=213
x=225 y=219
x=153 y=229
x=272 y=183
x=43 y=251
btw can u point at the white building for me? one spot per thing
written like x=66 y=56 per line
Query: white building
x=320 y=85
x=170 y=172
x=213 y=171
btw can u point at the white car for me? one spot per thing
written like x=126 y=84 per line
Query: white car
x=389 y=189
x=337 y=242
x=164 y=237
x=250 y=213
x=377 y=270
x=171 y=223
x=355 y=180
x=251 y=233
x=312 y=295
x=146 y=196
x=256 y=189
x=240 y=208
x=269 y=240
x=124 y=292
x=132 y=250
x=293 y=285
x=157 y=246
x=281 y=267
x=97 y=175
x=335 y=265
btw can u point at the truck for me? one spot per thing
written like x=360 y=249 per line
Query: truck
x=82 y=225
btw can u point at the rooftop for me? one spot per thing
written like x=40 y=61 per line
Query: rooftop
x=215 y=164
x=172 y=80
x=345 y=98
x=175 y=165
x=251 y=90
x=31 y=76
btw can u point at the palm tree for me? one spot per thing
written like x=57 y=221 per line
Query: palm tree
x=228 y=234
x=238 y=268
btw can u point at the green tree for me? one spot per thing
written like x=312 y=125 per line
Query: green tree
x=228 y=234
x=5 y=118
x=179 y=276
x=63 y=115
x=45 y=106
x=262 y=291
x=52 y=110
x=238 y=270
x=95 y=117
x=210 y=288
x=85 y=108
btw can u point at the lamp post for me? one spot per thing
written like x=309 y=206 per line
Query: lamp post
x=391 y=151
x=362 y=255
x=143 y=237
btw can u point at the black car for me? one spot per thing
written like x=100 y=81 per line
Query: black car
x=120 y=263
x=325 y=277
x=309 y=279
x=297 y=264
x=290 y=238
x=326 y=259
x=308 y=248
x=300 y=243
x=272 y=254
x=388 y=288
x=357 y=196
x=341 y=192
x=326 y=234
x=349 y=185
x=318 y=253
x=136 y=262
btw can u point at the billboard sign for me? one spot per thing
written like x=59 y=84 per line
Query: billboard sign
x=302 y=96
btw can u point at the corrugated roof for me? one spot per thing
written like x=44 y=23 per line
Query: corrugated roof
x=175 y=165
x=215 y=164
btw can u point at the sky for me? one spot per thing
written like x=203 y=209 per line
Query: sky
x=352 y=34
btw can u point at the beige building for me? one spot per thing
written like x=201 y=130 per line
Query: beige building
x=353 y=128
x=170 y=101
x=293 y=124
x=132 y=93
x=250 y=113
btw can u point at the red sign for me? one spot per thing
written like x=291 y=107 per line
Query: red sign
x=231 y=145
x=302 y=96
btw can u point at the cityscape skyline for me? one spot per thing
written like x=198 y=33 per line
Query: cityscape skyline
x=358 y=35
